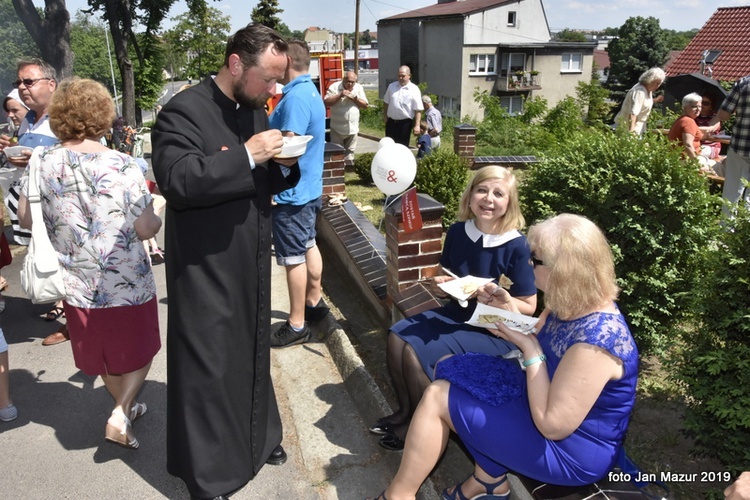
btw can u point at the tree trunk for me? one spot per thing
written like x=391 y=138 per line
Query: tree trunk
x=118 y=18
x=51 y=33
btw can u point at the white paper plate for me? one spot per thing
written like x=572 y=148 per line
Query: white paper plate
x=486 y=316
x=16 y=150
x=463 y=288
x=294 y=146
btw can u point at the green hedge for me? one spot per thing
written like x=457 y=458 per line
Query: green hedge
x=715 y=364
x=654 y=208
x=443 y=174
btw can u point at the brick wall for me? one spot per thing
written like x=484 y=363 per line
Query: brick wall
x=333 y=171
x=412 y=257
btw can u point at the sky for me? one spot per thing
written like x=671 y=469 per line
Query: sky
x=338 y=15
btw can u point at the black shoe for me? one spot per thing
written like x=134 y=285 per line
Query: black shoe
x=391 y=442
x=220 y=497
x=286 y=336
x=278 y=456
x=316 y=313
x=381 y=428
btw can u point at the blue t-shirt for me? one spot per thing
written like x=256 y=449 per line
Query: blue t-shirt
x=301 y=110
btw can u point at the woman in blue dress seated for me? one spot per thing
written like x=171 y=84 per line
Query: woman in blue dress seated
x=485 y=243
x=563 y=420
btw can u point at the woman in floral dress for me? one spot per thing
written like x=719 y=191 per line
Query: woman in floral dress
x=97 y=210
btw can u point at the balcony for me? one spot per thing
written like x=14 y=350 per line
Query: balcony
x=519 y=81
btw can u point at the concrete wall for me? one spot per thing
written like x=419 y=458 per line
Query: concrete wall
x=491 y=26
x=389 y=54
x=556 y=85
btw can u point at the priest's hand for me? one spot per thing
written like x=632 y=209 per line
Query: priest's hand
x=265 y=145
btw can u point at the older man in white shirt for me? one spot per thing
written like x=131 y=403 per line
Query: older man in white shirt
x=403 y=108
x=345 y=98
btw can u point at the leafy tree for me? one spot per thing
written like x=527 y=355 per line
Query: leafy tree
x=15 y=43
x=290 y=34
x=678 y=40
x=50 y=31
x=202 y=35
x=266 y=13
x=87 y=39
x=641 y=45
x=569 y=35
x=594 y=98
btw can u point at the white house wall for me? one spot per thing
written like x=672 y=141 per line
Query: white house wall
x=491 y=26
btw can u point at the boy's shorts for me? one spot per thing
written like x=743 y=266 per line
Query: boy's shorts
x=294 y=231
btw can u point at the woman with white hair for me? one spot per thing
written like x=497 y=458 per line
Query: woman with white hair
x=688 y=134
x=639 y=100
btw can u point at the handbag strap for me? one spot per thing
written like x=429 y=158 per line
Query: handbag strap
x=45 y=256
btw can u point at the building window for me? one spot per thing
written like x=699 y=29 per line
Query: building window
x=482 y=64
x=512 y=104
x=512 y=18
x=512 y=63
x=449 y=106
x=571 y=62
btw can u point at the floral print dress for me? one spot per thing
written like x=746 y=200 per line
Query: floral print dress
x=90 y=202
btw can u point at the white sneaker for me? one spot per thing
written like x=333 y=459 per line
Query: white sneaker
x=8 y=413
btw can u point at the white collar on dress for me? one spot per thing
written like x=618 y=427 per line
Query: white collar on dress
x=489 y=240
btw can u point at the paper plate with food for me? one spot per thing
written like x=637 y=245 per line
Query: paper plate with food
x=486 y=316
x=463 y=288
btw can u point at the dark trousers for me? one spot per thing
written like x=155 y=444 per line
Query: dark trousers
x=399 y=130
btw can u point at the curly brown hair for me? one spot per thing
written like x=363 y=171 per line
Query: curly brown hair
x=81 y=109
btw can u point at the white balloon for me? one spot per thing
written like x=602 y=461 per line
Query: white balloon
x=393 y=168
x=385 y=141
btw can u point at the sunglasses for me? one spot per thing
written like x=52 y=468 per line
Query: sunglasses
x=28 y=82
x=705 y=103
x=536 y=262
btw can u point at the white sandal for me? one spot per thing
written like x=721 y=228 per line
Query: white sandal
x=120 y=436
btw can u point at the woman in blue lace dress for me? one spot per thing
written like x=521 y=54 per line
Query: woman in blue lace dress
x=487 y=243
x=564 y=419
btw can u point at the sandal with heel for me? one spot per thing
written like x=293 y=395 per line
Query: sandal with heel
x=137 y=411
x=488 y=489
x=120 y=436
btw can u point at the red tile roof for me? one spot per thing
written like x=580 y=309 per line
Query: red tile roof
x=449 y=9
x=727 y=30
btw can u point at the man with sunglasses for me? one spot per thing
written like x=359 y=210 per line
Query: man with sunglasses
x=345 y=99
x=36 y=83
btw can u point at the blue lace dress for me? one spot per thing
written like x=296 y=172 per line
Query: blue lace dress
x=468 y=251
x=490 y=411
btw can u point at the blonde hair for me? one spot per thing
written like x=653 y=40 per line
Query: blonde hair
x=80 y=109
x=513 y=219
x=579 y=259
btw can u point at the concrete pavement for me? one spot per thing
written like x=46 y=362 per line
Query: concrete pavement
x=56 y=447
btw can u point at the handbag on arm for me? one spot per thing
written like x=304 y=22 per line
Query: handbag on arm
x=41 y=275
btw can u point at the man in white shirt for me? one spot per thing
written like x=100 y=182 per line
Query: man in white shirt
x=403 y=108
x=434 y=121
x=345 y=99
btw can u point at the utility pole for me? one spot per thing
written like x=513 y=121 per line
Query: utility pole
x=356 y=39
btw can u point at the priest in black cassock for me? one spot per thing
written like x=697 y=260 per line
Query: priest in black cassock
x=213 y=162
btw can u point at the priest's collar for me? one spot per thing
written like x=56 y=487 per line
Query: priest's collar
x=489 y=240
x=220 y=97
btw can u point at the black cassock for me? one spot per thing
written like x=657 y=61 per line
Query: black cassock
x=222 y=418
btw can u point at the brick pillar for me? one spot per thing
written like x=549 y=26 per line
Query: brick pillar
x=411 y=257
x=465 y=140
x=333 y=171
